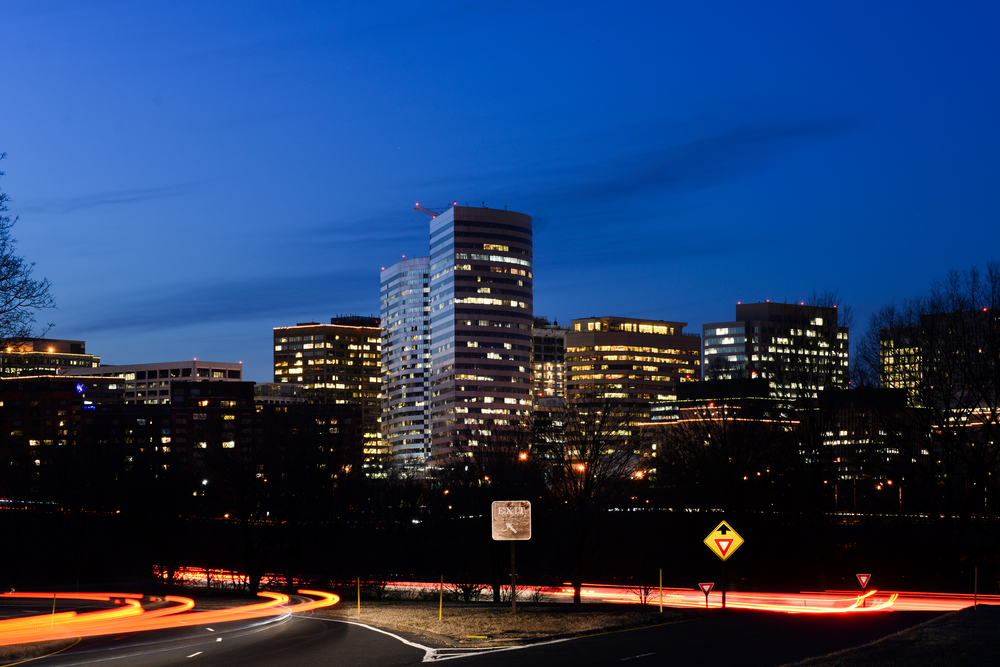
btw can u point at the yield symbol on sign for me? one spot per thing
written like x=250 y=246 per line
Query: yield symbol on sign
x=723 y=540
x=863 y=579
x=706 y=587
x=724 y=544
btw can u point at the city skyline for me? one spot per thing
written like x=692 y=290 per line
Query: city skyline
x=191 y=178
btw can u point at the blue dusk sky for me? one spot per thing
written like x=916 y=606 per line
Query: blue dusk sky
x=190 y=175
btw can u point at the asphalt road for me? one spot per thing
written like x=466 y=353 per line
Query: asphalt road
x=744 y=638
x=749 y=639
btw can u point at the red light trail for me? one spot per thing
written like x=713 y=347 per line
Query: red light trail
x=806 y=602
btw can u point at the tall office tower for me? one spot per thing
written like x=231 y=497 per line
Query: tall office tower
x=631 y=360
x=338 y=363
x=799 y=349
x=406 y=361
x=481 y=316
x=548 y=358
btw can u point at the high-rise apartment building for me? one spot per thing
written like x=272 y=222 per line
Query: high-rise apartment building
x=799 y=349
x=632 y=360
x=480 y=302
x=337 y=363
x=406 y=361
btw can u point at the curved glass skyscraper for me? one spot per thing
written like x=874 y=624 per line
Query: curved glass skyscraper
x=481 y=316
x=456 y=347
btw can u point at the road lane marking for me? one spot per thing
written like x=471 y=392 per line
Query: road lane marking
x=438 y=654
x=194 y=654
x=641 y=655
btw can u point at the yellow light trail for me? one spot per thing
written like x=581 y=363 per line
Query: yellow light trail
x=130 y=616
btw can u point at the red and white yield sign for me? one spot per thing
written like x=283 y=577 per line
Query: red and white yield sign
x=706 y=587
x=723 y=541
x=863 y=579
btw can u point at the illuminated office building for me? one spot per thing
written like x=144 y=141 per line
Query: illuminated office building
x=480 y=302
x=338 y=363
x=278 y=393
x=150 y=384
x=629 y=360
x=406 y=367
x=45 y=356
x=548 y=358
x=800 y=350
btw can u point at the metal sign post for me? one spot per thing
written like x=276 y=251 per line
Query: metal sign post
x=513 y=581
x=706 y=588
x=723 y=541
x=512 y=522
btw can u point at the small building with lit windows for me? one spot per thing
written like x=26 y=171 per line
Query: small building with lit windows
x=548 y=360
x=277 y=393
x=150 y=384
x=45 y=356
x=633 y=360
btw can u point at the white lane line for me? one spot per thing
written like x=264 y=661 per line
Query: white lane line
x=210 y=629
x=194 y=654
x=436 y=654
x=440 y=654
x=641 y=655
x=219 y=639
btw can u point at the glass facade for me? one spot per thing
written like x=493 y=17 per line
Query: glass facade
x=480 y=307
x=799 y=349
x=405 y=311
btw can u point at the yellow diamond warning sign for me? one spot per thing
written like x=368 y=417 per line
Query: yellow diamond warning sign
x=723 y=541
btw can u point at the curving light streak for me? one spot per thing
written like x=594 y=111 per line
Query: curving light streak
x=131 y=617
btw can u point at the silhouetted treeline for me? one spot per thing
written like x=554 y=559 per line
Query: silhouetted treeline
x=896 y=476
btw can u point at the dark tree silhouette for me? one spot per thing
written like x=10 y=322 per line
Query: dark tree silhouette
x=21 y=296
x=593 y=453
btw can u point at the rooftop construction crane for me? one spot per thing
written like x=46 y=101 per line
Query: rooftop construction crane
x=433 y=214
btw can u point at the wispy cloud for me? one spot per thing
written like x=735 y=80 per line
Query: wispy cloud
x=649 y=159
x=703 y=161
x=111 y=198
x=268 y=296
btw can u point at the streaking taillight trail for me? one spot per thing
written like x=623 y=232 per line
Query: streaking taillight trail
x=130 y=616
